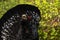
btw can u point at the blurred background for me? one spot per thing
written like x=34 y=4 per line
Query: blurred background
x=49 y=28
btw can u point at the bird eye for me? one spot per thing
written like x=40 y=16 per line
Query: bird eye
x=24 y=16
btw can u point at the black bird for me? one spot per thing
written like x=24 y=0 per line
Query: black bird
x=20 y=23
